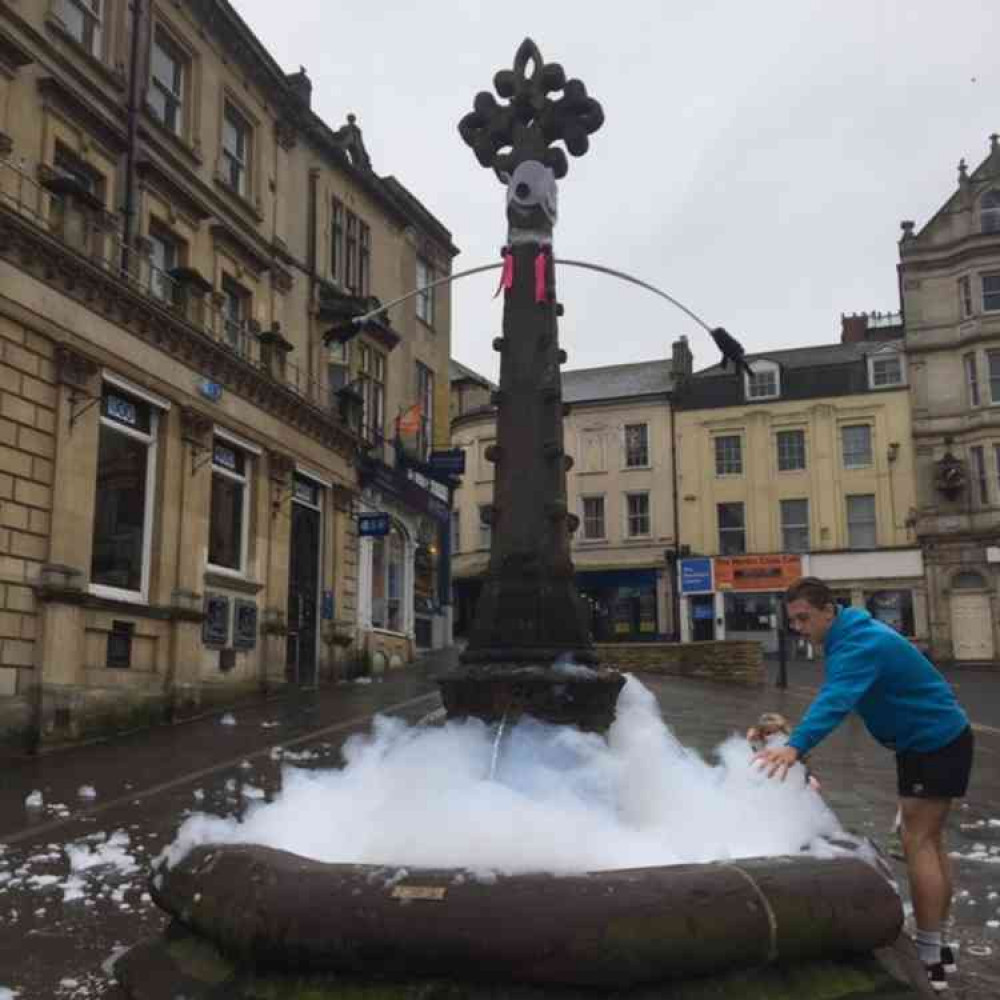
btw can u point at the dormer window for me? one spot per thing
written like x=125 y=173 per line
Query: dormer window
x=989 y=212
x=765 y=382
x=886 y=370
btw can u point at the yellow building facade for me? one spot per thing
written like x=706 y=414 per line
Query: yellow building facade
x=805 y=469
x=184 y=456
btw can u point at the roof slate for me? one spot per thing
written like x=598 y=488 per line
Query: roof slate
x=647 y=378
x=811 y=357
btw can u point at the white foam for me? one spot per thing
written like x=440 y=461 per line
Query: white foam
x=568 y=801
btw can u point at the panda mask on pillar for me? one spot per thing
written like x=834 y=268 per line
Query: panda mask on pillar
x=532 y=203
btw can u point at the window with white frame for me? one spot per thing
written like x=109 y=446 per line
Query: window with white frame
x=795 y=525
x=989 y=212
x=861 y=533
x=637 y=520
x=363 y=286
x=229 y=517
x=965 y=296
x=456 y=531
x=83 y=20
x=425 y=397
x=732 y=529
x=791 y=446
x=235 y=314
x=856 y=446
x=993 y=367
x=991 y=292
x=636 y=446
x=337 y=215
x=972 y=378
x=593 y=518
x=371 y=364
x=729 y=455
x=765 y=382
x=485 y=531
x=425 y=297
x=977 y=455
x=886 y=371
x=168 y=72
x=338 y=367
x=126 y=464
x=388 y=557
x=237 y=146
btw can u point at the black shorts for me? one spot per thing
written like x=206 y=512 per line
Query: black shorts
x=938 y=774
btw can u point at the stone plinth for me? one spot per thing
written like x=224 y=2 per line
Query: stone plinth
x=584 y=698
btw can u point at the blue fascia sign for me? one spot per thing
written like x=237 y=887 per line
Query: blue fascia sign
x=696 y=576
x=451 y=463
x=373 y=525
x=209 y=389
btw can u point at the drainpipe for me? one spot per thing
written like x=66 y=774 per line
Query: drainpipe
x=128 y=208
x=675 y=596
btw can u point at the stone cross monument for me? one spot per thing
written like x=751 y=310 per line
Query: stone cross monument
x=530 y=613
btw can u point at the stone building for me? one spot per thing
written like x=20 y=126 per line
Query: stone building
x=183 y=458
x=618 y=431
x=805 y=468
x=949 y=275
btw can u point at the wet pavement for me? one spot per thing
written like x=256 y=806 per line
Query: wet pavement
x=65 y=912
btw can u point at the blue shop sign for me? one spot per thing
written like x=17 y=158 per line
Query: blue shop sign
x=696 y=576
x=373 y=525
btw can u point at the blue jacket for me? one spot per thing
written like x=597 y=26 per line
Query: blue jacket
x=870 y=668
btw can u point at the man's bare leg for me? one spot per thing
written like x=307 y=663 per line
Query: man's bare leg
x=927 y=862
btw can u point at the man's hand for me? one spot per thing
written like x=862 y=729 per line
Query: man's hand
x=776 y=761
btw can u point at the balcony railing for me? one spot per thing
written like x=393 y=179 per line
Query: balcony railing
x=60 y=207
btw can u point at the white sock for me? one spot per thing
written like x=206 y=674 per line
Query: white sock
x=929 y=946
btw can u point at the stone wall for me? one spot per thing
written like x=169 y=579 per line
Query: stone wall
x=27 y=447
x=729 y=662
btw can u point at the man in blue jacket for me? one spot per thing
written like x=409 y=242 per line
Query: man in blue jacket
x=908 y=707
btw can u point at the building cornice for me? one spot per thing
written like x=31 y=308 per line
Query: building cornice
x=30 y=249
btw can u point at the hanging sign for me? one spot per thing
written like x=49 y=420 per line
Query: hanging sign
x=373 y=525
x=451 y=463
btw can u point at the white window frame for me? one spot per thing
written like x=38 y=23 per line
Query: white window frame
x=161 y=285
x=243 y=160
x=993 y=372
x=251 y=453
x=628 y=533
x=970 y=362
x=721 y=532
x=980 y=477
x=762 y=368
x=965 y=302
x=989 y=212
x=993 y=295
x=874 y=358
x=157 y=406
x=720 y=473
x=644 y=425
x=843 y=449
x=874 y=521
x=801 y=436
x=91 y=11
x=235 y=329
x=176 y=54
x=796 y=526
x=604 y=517
x=425 y=297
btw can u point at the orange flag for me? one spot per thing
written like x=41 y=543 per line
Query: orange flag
x=410 y=420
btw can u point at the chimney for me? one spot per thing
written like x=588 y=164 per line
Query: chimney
x=854 y=328
x=301 y=85
x=681 y=359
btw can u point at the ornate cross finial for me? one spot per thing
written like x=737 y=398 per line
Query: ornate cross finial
x=532 y=120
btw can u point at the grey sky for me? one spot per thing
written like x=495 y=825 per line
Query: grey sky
x=755 y=161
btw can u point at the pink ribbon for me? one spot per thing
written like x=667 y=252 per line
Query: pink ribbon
x=506 y=273
x=541 y=273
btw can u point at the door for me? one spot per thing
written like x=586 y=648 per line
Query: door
x=702 y=618
x=303 y=594
x=971 y=628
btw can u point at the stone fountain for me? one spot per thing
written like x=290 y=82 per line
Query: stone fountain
x=251 y=922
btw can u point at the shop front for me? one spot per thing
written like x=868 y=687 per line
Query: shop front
x=623 y=604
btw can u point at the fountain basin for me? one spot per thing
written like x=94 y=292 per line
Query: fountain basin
x=620 y=929
x=583 y=697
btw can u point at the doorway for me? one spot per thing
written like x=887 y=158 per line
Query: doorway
x=303 y=586
x=971 y=624
x=702 y=617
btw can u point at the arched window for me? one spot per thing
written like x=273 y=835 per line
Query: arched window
x=989 y=212
x=968 y=580
x=765 y=383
